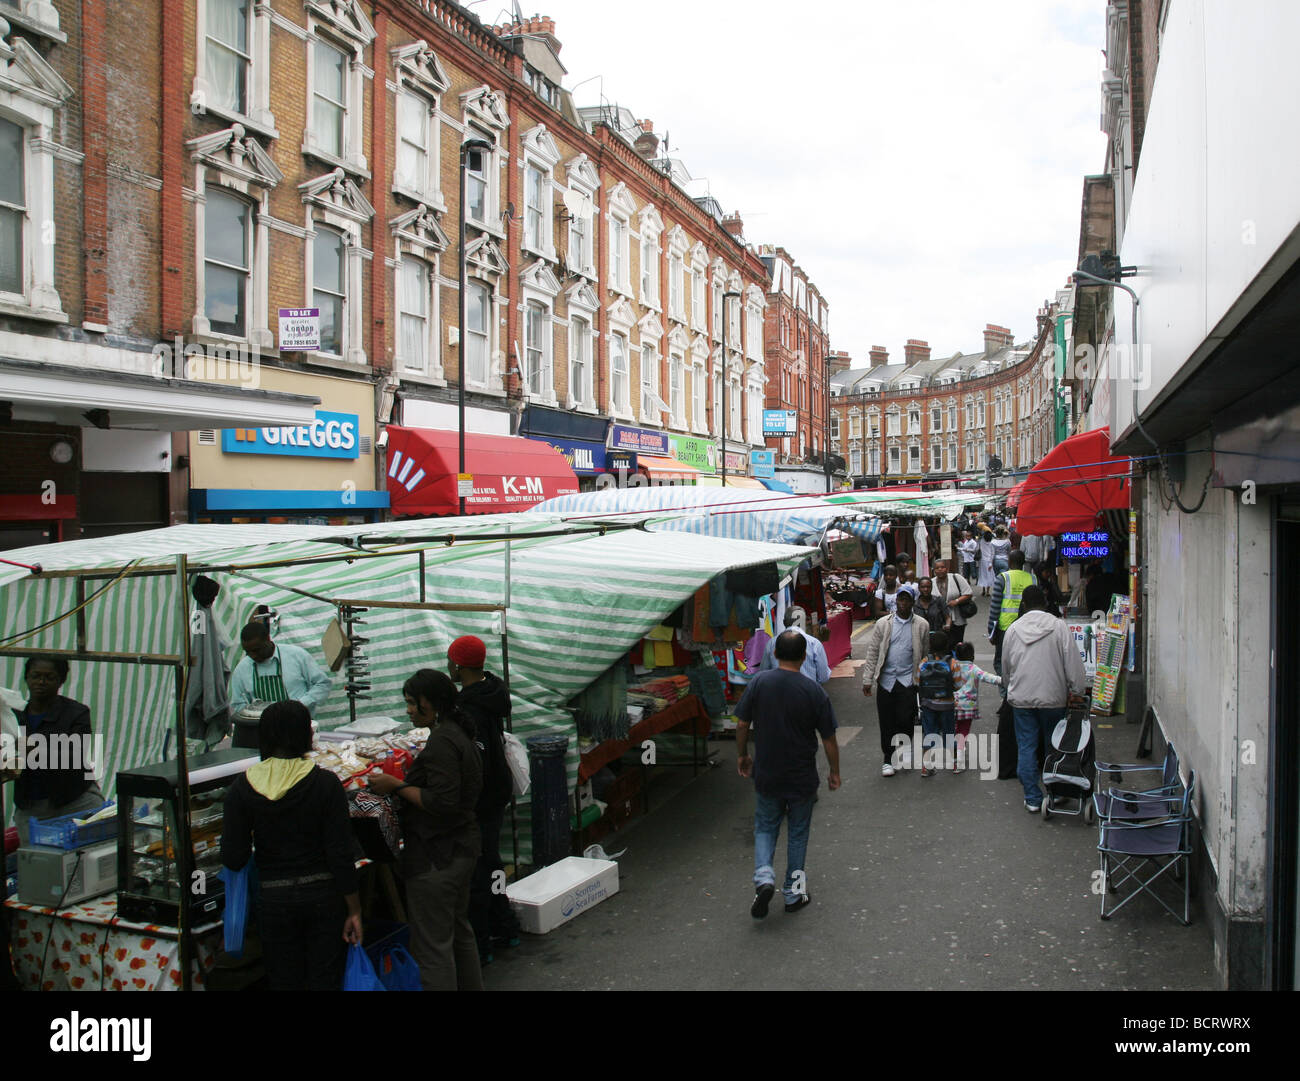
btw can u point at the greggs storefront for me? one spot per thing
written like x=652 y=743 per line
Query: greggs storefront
x=322 y=473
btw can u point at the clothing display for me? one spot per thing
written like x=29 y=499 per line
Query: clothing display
x=601 y=710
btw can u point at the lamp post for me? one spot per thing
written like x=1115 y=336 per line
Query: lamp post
x=826 y=418
x=477 y=147
x=726 y=415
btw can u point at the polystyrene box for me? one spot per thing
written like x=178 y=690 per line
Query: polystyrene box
x=552 y=896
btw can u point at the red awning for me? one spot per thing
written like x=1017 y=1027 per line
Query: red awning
x=657 y=468
x=509 y=473
x=1075 y=481
x=1015 y=495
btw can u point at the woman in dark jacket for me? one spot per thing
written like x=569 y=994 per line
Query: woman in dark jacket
x=440 y=832
x=1056 y=600
x=63 y=782
x=296 y=816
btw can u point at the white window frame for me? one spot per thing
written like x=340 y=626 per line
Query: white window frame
x=678 y=245
x=893 y=422
x=539 y=285
x=32 y=95
x=257 y=91
x=538 y=353
x=417 y=235
x=583 y=182
x=650 y=226
x=237 y=163
x=754 y=411
x=873 y=461
x=699 y=265
x=717 y=282
x=620 y=345
x=345 y=28
x=483 y=116
x=540 y=155
x=676 y=388
x=648 y=369
x=335 y=201
x=895 y=460
x=620 y=208
x=581 y=356
x=419 y=79
x=754 y=330
x=855 y=462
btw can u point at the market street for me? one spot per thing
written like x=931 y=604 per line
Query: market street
x=945 y=883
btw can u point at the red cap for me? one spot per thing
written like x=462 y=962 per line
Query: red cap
x=468 y=652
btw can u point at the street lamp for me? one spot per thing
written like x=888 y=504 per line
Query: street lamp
x=826 y=418
x=477 y=147
x=726 y=416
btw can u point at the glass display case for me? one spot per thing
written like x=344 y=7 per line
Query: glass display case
x=167 y=854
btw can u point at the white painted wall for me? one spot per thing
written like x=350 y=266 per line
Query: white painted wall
x=1208 y=669
x=1217 y=194
x=125 y=451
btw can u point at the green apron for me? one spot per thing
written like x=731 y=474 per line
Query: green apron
x=270 y=688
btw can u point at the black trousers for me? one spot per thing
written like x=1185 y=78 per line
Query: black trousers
x=490 y=913
x=998 y=635
x=897 y=712
x=957 y=633
x=302 y=942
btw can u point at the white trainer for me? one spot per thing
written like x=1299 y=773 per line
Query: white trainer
x=887 y=770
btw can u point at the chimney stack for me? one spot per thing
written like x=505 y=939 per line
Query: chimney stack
x=996 y=338
x=879 y=356
x=733 y=225
x=839 y=360
x=647 y=143
x=916 y=351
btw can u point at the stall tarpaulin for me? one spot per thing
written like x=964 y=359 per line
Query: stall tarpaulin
x=1075 y=482
x=509 y=473
x=577 y=602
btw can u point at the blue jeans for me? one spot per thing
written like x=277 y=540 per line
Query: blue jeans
x=939 y=730
x=1031 y=726
x=768 y=813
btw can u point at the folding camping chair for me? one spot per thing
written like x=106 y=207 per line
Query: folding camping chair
x=1142 y=849
x=1168 y=770
x=1117 y=803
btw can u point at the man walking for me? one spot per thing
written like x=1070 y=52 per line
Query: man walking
x=815 y=665
x=1044 y=672
x=1004 y=606
x=787 y=712
x=485 y=698
x=896 y=646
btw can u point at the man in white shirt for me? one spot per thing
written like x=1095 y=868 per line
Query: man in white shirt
x=887 y=592
x=814 y=665
x=274 y=673
x=896 y=646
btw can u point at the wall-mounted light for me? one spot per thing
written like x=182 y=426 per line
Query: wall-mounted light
x=61 y=452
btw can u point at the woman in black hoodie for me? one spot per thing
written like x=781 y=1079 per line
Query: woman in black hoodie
x=440 y=834
x=296 y=815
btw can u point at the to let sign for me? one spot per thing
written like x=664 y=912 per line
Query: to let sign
x=299 y=330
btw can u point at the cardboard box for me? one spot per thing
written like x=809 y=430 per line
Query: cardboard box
x=551 y=897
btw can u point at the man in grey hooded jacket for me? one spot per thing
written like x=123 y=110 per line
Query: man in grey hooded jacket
x=1042 y=672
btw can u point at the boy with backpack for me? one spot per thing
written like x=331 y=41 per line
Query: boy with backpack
x=967 y=696
x=938 y=681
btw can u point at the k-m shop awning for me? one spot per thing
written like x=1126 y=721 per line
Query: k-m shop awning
x=510 y=474
x=1072 y=485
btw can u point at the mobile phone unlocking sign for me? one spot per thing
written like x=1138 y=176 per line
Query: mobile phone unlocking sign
x=1085 y=545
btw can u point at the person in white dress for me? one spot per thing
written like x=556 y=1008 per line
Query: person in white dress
x=985 y=582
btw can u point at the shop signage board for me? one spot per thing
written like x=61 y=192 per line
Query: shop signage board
x=1111 y=649
x=582 y=457
x=780 y=422
x=331 y=435
x=762 y=464
x=737 y=462
x=638 y=439
x=1087 y=635
x=1084 y=545
x=299 y=330
x=701 y=454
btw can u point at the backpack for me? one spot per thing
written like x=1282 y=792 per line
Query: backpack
x=936 y=681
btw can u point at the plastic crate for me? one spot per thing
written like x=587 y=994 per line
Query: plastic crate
x=63 y=832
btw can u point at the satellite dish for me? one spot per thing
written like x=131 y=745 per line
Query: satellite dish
x=578 y=204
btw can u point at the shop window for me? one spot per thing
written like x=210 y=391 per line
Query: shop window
x=537 y=352
x=478 y=345
x=232 y=75
x=413 y=309
x=580 y=377
x=650 y=385
x=329 y=288
x=13 y=208
x=676 y=392
x=329 y=99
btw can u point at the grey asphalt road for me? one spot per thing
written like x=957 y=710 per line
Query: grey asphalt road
x=918 y=884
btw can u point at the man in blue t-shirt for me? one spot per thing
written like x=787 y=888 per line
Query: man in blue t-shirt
x=788 y=712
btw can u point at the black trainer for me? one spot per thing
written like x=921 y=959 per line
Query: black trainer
x=803 y=902
x=762 y=898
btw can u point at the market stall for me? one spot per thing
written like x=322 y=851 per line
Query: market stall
x=557 y=602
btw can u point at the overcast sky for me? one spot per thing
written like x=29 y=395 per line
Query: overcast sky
x=923 y=162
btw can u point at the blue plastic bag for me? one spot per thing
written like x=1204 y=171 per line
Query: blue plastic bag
x=360 y=973
x=236 y=911
x=398 y=970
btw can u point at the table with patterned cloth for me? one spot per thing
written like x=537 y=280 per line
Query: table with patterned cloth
x=86 y=947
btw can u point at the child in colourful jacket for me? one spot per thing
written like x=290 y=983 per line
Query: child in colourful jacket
x=966 y=695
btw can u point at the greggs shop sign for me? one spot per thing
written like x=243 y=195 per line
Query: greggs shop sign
x=330 y=435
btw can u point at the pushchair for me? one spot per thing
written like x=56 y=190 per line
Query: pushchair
x=1070 y=768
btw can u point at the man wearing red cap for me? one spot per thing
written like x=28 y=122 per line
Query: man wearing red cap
x=485 y=698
